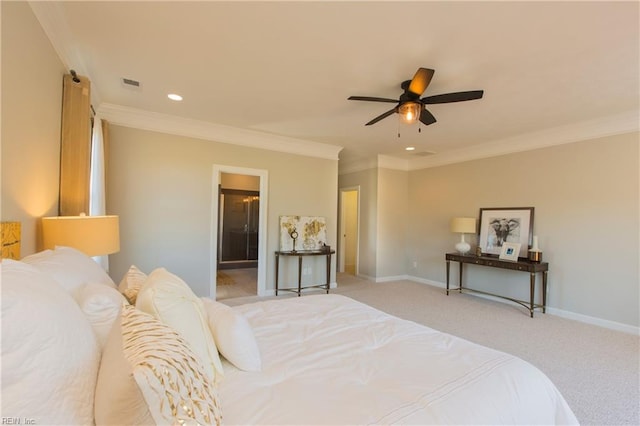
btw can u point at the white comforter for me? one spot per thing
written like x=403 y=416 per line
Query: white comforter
x=329 y=360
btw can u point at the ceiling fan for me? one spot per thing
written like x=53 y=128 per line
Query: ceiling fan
x=410 y=107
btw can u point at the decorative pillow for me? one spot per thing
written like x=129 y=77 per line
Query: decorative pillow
x=131 y=283
x=169 y=299
x=101 y=305
x=233 y=336
x=150 y=375
x=69 y=267
x=119 y=400
x=50 y=357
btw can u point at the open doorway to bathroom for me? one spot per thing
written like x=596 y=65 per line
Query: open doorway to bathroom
x=239 y=207
x=238 y=227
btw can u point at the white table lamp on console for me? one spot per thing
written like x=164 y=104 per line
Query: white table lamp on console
x=463 y=225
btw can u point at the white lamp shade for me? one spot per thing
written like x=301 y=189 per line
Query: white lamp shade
x=463 y=225
x=92 y=235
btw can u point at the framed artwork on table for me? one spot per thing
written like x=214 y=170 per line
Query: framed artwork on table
x=302 y=233
x=510 y=251
x=500 y=225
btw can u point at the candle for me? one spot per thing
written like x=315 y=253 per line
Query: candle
x=535 y=244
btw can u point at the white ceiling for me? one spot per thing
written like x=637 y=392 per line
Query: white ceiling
x=287 y=68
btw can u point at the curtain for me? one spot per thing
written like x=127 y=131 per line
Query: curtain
x=97 y=197
x=75 y=146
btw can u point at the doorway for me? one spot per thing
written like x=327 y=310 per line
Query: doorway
x=349 y=230
x=244 y=192
x=238 y=228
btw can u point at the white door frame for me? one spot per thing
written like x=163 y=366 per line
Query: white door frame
x=341 y=256
x=218 y=169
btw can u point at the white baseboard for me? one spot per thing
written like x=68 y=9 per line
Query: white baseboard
x=386 y=279
x=612 y=325
x=394 y=278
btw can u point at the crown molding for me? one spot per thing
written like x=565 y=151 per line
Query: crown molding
x=54 y=23
x=394 y=163
x=626 y=122
x=617 y=124
x=164 y=123
x=355 y=166
x=378 y=162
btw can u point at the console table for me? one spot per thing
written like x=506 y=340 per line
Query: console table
x=524 y=265
x=300 y=254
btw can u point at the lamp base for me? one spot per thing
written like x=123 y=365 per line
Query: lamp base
x=463 y=247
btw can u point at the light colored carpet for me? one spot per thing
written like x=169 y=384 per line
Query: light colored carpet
x=596 y=369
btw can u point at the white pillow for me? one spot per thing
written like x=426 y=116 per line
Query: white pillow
x=169 y=299
x=119 y=400
x=233 y=336
x=131 y=283
x=101 y=305
x=69 y=267
x=149 y=375
x=49 y=354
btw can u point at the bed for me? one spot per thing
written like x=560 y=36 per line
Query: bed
x=328 y=359
x=318 y=359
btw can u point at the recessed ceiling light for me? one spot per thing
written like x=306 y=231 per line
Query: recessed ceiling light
x=174 y=97
x=410 y=148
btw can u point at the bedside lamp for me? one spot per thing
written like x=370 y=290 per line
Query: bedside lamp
x=92 y=235
x=463 y=225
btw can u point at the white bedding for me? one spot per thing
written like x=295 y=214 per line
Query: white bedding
x=327 y=359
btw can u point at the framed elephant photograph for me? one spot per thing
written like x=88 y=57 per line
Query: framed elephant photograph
x=500 y=225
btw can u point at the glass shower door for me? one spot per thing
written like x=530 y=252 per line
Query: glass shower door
x=239 y=219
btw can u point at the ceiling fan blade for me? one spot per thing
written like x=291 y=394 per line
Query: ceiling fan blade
x=453 y=97
x=420 y=81
x=372 y=99
x=381 y=116
x=426 y=117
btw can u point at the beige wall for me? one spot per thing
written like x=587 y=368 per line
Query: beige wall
x=161 y=187
x=393 y=203
x=31 y=110
x=586 y=198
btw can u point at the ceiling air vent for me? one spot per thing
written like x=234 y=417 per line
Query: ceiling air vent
x=130 y=84
x=423 y=153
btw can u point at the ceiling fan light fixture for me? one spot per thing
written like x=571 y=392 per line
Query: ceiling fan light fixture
x=409 y=112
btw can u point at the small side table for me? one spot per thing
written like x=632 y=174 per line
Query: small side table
x=300 y=254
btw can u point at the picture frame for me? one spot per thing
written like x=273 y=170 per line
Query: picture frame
x=510 y=251
x=308 y=232
x=499 y=225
